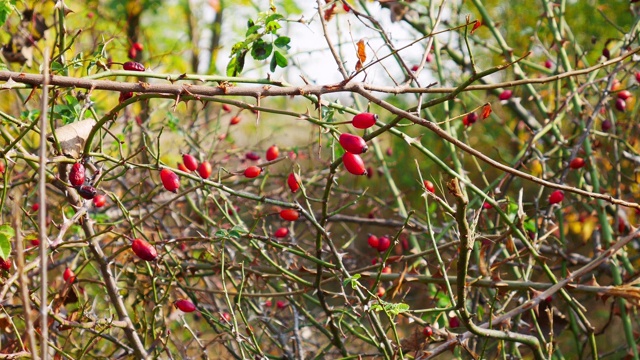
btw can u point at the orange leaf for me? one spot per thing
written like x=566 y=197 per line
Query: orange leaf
x=486 y=111
x=476 y=26
x=362 y=55
x=328 y=14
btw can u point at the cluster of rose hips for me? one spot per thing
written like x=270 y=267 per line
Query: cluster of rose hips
x=355 y=145
x=78 y=179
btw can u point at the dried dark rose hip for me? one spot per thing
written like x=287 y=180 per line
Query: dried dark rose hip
x=133 y=66
x=87 y=191
x=77 y=174
x=124 y=96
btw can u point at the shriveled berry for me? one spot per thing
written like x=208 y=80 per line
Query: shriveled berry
x=624 y=94
x=133 y=66
x=293 y=180
x=289 y=214
x=144 y=250
x=373 y=241
x=124 y=96
x=77 y=174
x=205 y=169
x=87 y=191
x=353 y=143
x=621 y=105
x=577 y=163
x=607 y=124
x=99 y=200
x=556 y=197
x=252 y=172
x=272 y=153
x=190 y=162
x=505 y=95
x=5 y=264
x=383 y=243
x=253 y=156
x=364 y=120
x=185 y=305
x=235 y=120
x=170 y=180
x=354 y=164
x=69 y=275
x=429 y=186
x=470 y=119
x=281 y=232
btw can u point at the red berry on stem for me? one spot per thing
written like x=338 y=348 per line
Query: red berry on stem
x=144 y=250
x=132 y=53
x=190 y=162
x=381 y=291
x=621 y=105
x=5 y=264
x=99 y=200
x=353 y=143
x=226 y=107
x=470 y=119
x=556 y=197
x=138 y=46
x=606 y=125
x=235 y=120
x=427 y=331
x=281 y=232
x=505 y=95
x=289 y=214
x=281 y=304
x=373 y=241
x=577 y=163
x=205 y=169
x=272 y=153
x=548 y=64
x=181 y=167
x=386 y=270
x=454 y=322
x=124 y=96
x=185 y=305
x=77 y=174
x=294 y=182
x=429 y=186
x=414 y=68
x=133 y=66
x=638 y=76
x=170 y=180
x=35 y=207
x=35 y=242
x=383 y=244
x=69 y=275
x=624 y=94
x=252 y=172
x=364 y=120
x=2 y=168
x=354 y=164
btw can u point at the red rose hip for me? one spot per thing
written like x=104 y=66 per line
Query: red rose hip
x=364 y=120
x=621 y=105
x=354 y=164
x=133 y=66
x=289 y=214
x=5 y=264
x=185 y=306
x=170 y=180
x=556 y=197
x=353 y=143
x=190 y=162
x=205 y=169
x=373 y=241
x=272 y=153
x=77 y=174
x=383 y=244
x=429 y=186
x=281 y=232
x=293 y=180
x=69 y=275
x=577 y=163
x=252 y=172
x=144 y=250
x=505 y=95
x=99 y=200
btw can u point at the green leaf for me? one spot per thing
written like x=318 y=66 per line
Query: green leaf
x=282 y=42
x=5 y=10
x=6 y=235
x=273 y=64
x=261 y=50
x=273 y=17
x=220 y=233
x=281 y=60
x=252 y=30
x=272 y=27
x=236 y=64
x=352 y=280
